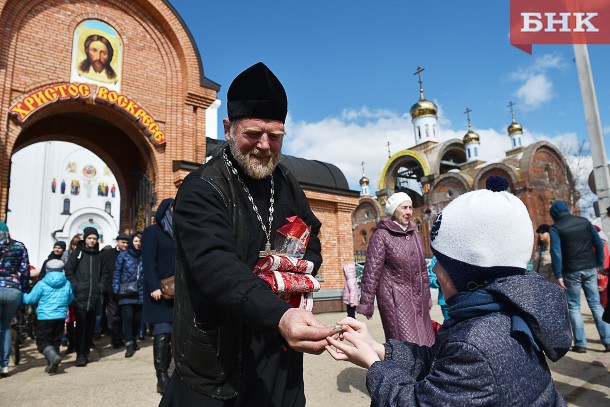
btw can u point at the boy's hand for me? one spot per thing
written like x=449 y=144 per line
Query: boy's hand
x=358 y=328
x=352 y=349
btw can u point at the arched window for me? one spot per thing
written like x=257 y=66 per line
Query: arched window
x=514 y=143
x=419 y=132
x=476 y=151
x=364 y=236
x=66 y=210
x=108 y=207
x=468 y=152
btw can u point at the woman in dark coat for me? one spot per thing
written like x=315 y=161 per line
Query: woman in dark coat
x=128 y=273
x=159 y=256
x=395 y=272
x=542 y=256
x=14 y=279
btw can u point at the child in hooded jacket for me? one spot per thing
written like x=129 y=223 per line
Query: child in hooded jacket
x=53 y=294
x=504 y=323
x=351 y=292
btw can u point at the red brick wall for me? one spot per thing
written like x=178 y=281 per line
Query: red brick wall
x=334 y=211
x=160 y=72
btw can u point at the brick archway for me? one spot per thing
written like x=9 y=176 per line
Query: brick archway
x=173 y=90
x=116 y=140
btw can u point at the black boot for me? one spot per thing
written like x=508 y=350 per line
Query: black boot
x=81 y=360
x=130 y=350
x=162 y=356
x=53 y=359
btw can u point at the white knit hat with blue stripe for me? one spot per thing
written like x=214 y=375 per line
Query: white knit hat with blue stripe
x=482 y=235
x=54 y=265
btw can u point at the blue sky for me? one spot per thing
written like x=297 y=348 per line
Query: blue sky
x=348 y=66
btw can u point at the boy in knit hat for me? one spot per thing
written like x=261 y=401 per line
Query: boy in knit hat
x=503 y=321
x=58 y=252
x=88 y=279
x=53 y=294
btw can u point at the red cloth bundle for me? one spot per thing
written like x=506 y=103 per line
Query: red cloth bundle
x=273 y=262
x=290 y=278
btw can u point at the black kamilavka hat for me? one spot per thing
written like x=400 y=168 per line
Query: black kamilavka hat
x=257 y=92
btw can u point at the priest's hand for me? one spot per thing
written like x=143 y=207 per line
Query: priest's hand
x=303 y=332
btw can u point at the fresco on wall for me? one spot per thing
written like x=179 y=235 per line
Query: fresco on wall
x=97 y=55
x=75 y=187
x=103 y=189
x=89 y=178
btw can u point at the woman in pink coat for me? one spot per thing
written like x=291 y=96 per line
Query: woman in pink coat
x=395 y=272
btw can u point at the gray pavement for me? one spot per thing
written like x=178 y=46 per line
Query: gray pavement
x=111 y=379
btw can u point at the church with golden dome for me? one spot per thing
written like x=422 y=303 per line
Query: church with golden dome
x=435 y=172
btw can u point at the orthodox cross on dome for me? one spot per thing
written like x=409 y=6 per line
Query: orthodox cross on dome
x=467 y=113
x=418 y=72
x=362 y=164
x=512 y=111
x=389 y=154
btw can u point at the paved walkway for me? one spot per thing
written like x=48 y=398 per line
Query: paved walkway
x=112 y=380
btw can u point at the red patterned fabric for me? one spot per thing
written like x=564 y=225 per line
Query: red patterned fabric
x=274 y=262
x=290 y=278
x=288 y=282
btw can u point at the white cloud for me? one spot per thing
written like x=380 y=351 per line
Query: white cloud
x=362 y=135
x=541 y=64
x=535 y=91
x=536 y=86
x=346 y=141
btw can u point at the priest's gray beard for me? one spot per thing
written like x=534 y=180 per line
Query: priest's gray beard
x=250 y=161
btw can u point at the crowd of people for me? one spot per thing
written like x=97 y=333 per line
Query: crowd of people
x=81 y=286
x=502 y=321
x=235 y=342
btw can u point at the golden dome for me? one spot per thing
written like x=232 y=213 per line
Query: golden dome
x=471 y=137
x=423 y=107
x=515 y=128
x=364 y=180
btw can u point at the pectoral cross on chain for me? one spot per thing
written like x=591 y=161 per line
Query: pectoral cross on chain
x=267 y=251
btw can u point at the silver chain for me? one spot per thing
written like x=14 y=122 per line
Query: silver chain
x=266 y=230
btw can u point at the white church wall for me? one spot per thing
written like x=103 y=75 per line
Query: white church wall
x=36 y=209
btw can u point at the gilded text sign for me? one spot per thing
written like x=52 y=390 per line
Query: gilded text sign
x=40 y=98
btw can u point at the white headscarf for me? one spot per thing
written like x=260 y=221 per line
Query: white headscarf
x=394 y=202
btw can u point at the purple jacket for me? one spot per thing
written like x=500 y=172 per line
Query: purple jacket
x=396 y=273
